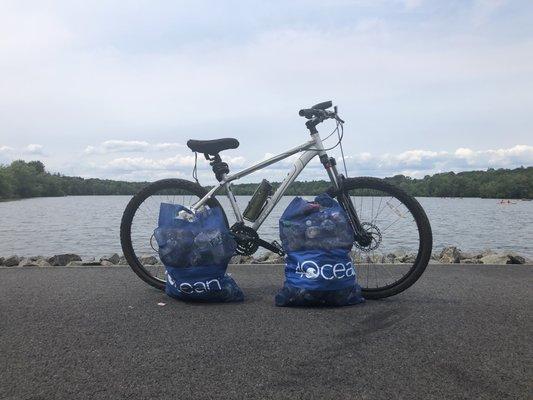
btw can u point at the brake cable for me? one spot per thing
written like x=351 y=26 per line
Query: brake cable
x=195 y=168
x=340 y=134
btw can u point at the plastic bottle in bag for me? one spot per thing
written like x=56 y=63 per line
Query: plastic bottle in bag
x=210 y=246
x=173 y=245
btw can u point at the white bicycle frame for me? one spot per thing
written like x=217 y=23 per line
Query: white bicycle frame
x=310 y=149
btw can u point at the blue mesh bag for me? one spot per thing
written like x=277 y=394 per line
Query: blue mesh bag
x=317 y=237
x=195 y=249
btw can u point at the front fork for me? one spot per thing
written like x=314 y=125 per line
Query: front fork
x=338 y=191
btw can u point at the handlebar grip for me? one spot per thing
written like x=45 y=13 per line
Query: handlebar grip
x=307 y=113
x=323 y=105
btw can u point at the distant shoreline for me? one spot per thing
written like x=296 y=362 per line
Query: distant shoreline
x=249 y=195
x=23 y=179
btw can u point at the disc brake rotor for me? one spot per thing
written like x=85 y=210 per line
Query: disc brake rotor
x=375 y=234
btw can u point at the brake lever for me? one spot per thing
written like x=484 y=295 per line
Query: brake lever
x=337 y=115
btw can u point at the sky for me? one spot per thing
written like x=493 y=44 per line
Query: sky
x=114 y=89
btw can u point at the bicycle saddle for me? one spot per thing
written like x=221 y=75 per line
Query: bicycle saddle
x=212 y=146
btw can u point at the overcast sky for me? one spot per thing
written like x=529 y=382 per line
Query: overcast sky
x=114 y=89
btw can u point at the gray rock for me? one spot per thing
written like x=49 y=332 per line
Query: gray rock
x=408 y=259
x=516 y=259
x=75 y=264
x=450 y=255
x=390 y=258
x=356 y=257
x=240 y=259
x=466 y=255
x=91 y=261
x=400 y=255
x=260 y=259
x=148 y=260
x=63 y=259
x=38 y=261
x=485 y=253
x=498 y=259
x=12 y=261
x=471 y=260
x=122 y=261
x=113 y=258
x=106 y=263
x=2 y=260
x=374 y=259
x=27 y=262
x=269 y=258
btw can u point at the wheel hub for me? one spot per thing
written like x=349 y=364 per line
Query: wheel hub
x=374 y=234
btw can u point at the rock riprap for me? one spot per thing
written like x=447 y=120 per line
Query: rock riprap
x=63 y=259
x=448 y=255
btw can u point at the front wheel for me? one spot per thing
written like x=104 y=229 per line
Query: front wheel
x=401 y=243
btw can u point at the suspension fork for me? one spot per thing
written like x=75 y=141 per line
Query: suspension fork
x=361 y=236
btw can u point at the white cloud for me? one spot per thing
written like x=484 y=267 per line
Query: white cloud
x=129 y=146
x=415 y=163
x=31 y=151
x=35 y=149
x=5 y=149
x=145 y=164
x=176 y=163
x=418 y=163
x=168 y=146
x=5 y=154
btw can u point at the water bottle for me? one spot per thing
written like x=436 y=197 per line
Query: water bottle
x=258 y=201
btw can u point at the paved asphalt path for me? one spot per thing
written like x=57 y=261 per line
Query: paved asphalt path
x=99 y=333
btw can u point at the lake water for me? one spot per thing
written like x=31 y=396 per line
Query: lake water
x=89 y=225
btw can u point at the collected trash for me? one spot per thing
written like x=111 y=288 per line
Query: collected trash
x=317 y=237
x=195 y=249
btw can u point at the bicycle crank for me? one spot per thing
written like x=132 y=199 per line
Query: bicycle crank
x=248 y=241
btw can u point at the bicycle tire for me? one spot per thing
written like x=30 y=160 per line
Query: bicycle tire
x=424 y=229
x=129 y=213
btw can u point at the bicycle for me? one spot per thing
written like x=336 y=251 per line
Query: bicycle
x=377 y=277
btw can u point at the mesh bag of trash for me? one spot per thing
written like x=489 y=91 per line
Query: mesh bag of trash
x=317 y=238
x=195 y=249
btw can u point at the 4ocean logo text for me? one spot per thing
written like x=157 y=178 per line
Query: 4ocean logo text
x=311 y=270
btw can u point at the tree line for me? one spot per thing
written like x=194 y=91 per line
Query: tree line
x=23 y=179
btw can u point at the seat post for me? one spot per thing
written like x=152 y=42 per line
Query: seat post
x=220 y=168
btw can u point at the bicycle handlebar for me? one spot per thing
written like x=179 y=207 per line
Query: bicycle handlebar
x=319 y=113
x=310 y=113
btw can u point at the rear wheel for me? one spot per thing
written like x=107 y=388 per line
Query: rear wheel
x=401 y=237
x=140 y=218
